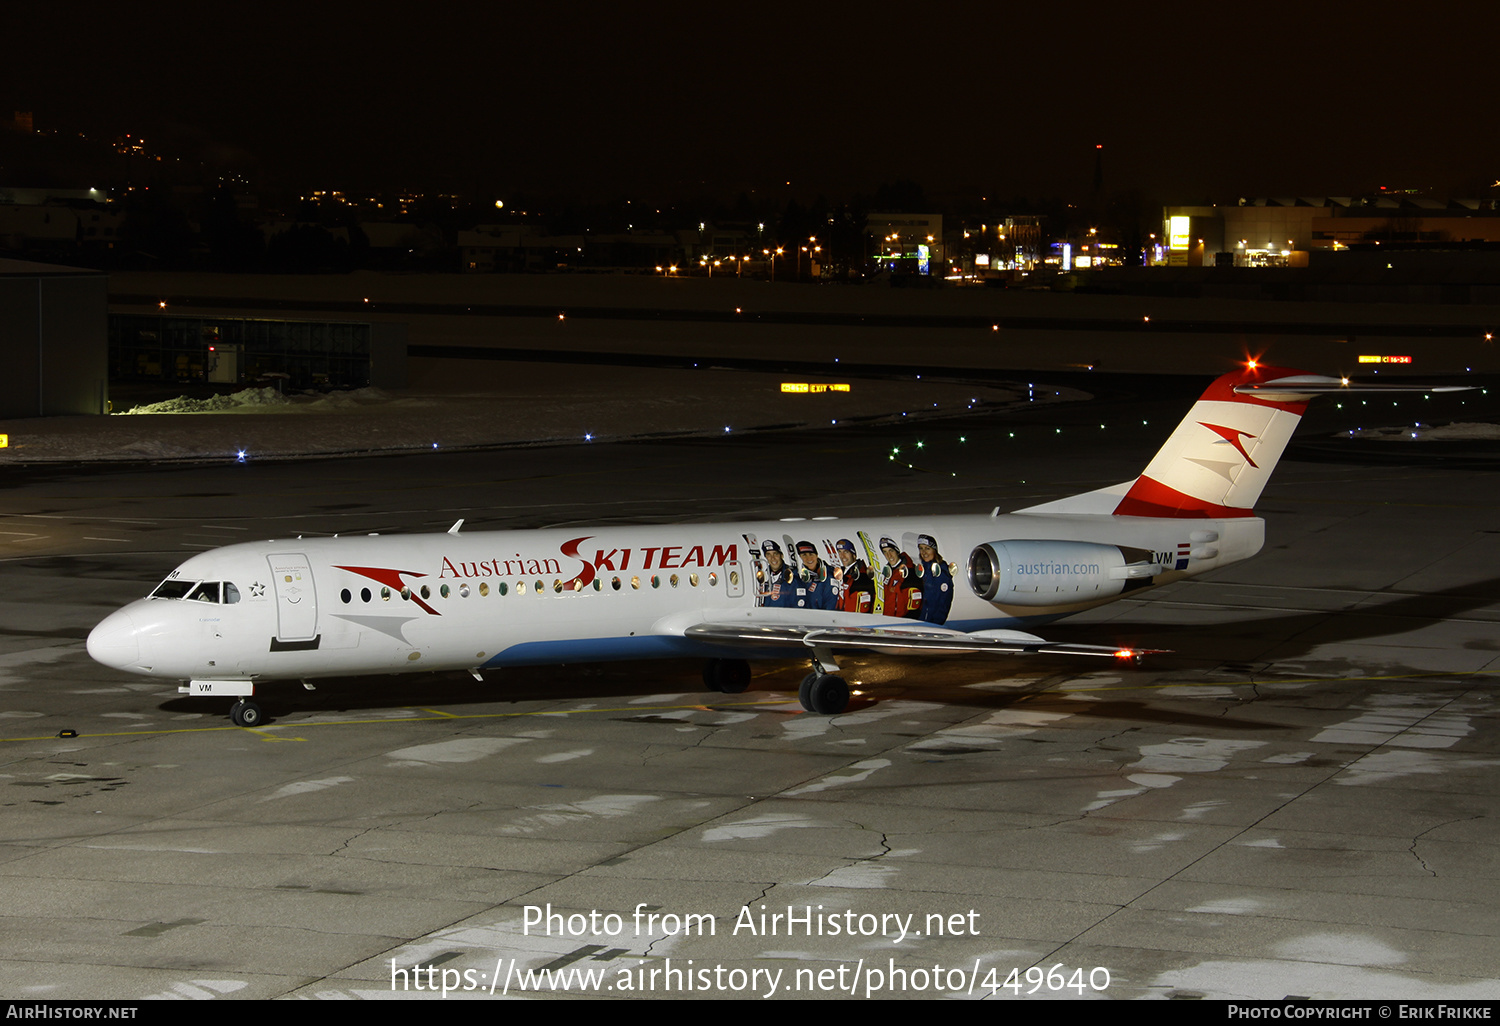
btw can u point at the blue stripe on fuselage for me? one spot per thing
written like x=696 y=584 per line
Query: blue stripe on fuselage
x=599 y=650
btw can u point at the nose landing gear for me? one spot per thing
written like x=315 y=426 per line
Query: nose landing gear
x=245 y=713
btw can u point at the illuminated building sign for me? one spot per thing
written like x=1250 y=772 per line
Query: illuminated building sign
x=802 y=386
x=1179 y=229
x=1385 y=359
x=4 y=441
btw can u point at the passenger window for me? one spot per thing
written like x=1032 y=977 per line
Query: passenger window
x=520 y=587
x=463 y=590
x=347 y=596
x=443 y=591
x=557 y=587
x=426 y=592
x=734 y=578
x=615 y=584
x=655 y=581
x=385 y=594
x=484 y=589
x=538 y=587
x=673 y=579
x=364 y=594
x=713 y=580
x=635 y=584
x=693 y=580
x=598 y=584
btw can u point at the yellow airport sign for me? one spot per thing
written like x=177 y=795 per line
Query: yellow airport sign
x=1385 y=359
x=803 y=386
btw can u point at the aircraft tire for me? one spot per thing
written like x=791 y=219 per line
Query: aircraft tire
x=245 y=714
x=804 y=692
x=734 y=675
x=829 y=695
x=726 y=676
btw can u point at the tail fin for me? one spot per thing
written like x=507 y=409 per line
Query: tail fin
x=1222 y=454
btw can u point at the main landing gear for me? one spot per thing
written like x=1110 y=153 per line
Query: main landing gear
x=729 y=676
x=821 y=692
x=245 y=713
x=824 y=693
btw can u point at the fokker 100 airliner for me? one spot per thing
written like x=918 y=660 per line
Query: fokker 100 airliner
x=231 y=619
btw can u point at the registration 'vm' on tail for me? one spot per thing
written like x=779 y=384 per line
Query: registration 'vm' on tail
x=1220 y=457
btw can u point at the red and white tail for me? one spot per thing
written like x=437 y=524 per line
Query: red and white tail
x=1222 y=454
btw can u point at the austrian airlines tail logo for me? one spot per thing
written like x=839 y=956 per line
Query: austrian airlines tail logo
x=1232 y=436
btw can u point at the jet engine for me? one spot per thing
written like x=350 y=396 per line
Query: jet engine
x=1050 y=573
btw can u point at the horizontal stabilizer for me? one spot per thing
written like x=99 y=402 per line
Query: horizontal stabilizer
x=1302 y=387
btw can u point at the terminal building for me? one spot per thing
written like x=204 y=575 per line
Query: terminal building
x=1284 y=232
x=218 y=350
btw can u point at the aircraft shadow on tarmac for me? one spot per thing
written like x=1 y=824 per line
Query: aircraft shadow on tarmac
x=1292 y=636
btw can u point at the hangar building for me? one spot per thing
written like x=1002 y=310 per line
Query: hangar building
x=53 y=334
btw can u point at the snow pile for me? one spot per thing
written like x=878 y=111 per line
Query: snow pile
x=346 y=400
x=463 y=406
x=250 y=397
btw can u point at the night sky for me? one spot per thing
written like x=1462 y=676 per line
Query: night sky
x=1192 y=102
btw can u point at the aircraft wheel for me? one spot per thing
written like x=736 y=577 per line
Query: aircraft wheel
x=734 y=676
x=829 y=695
x=245 y=714
x=824 y=693
x=804 y=691
x=727 y=676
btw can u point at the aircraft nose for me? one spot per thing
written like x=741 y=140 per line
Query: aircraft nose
x=115 y=642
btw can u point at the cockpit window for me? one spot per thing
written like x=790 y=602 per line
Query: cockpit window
x=197 y=591
x=208 y=591
x=173 y=589
x=232 y=594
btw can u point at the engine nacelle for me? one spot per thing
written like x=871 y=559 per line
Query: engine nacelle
x=1047 y=573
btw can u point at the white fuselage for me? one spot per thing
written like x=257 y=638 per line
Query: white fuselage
x=322 y=607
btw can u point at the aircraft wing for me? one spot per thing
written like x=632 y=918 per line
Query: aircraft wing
x=775 y=628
